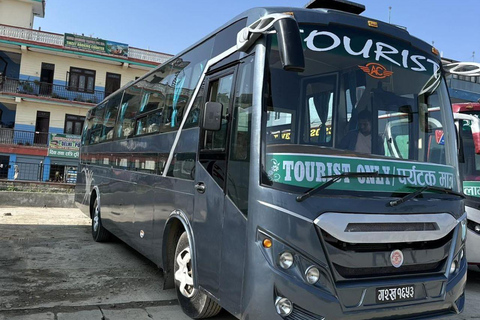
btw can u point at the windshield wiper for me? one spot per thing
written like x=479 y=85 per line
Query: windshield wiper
x=337 y=177
x=415 y=194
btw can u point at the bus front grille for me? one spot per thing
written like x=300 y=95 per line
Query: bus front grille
x=352 y=261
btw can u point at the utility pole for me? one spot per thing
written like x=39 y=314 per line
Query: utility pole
x=473 y=56
x=389 y=13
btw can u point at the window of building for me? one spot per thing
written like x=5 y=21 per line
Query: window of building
x=73 y=124
x=81 y=80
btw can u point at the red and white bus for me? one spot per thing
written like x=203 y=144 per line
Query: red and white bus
x=467 y=120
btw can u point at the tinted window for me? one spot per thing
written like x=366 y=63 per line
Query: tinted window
x=220 y=91
x=111 y=111
x=128 y=110
x=239 y=155
x=96 y=121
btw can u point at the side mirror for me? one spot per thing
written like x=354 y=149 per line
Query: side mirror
x=290 y=45
x=212 y=116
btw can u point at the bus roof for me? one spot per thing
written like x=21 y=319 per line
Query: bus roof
x=465 y=107
x=314 y=16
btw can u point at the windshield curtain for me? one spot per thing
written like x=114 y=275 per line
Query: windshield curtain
x=365 y=102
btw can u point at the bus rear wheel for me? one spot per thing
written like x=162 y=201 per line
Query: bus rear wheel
x=194 y=303
x=99 y=233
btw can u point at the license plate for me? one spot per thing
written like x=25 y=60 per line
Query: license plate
x=394 y=294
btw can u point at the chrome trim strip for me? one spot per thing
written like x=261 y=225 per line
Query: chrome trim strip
x=336 y=223
x=296 y=215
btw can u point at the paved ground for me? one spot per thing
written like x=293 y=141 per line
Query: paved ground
x=51 y=269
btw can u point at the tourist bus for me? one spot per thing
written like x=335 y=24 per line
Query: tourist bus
x=467 y=120
x=186 y=166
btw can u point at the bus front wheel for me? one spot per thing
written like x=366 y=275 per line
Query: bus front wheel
x=99 y=233
x=194 y=303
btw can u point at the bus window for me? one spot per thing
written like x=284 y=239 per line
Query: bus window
x=279 y=125
x=220 y=91
x=181 y=88
x=239 y=155
x=111 y=111
x=470 y=168
x=319 y=95
x=194 y=115
x=97 y=124
x=129 y=107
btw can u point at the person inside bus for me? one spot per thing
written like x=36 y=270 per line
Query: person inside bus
x=360 y=139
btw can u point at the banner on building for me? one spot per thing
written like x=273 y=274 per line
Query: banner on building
x=64 y=146
x=95 y=45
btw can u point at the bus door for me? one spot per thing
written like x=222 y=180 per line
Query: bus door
x=210 y=182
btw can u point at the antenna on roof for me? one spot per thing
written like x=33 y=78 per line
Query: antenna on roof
x=341 y=5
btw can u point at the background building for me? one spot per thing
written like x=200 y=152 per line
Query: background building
x=48 y=82
x=462 y=88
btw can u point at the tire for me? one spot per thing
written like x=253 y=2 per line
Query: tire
x=99 y=233
x=194 y=303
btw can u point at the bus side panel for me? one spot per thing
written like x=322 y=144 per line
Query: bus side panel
x=153 y=207
x=82 y=195
x=176 y=191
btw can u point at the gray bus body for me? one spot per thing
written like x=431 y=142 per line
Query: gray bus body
x=155 y=183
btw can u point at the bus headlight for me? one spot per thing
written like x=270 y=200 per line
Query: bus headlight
x=312 y=274
x=286 y=260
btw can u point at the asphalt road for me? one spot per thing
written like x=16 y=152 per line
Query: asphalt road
x=51 y=269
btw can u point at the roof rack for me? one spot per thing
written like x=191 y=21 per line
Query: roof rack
x=342 y=5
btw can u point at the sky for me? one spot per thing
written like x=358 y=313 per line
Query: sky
x=171 y=26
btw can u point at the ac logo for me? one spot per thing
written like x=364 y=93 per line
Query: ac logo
x=376 y=70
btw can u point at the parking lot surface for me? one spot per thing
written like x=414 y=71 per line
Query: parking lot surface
x=51 y=269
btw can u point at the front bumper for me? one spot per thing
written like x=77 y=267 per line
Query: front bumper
x=435 y=297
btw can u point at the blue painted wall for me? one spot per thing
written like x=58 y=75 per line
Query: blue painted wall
x=11 y=170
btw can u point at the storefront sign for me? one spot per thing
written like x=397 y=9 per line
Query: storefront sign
x=308 y=171
x=64 y=145
x=95 y=45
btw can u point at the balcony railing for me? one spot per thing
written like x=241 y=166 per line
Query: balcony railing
x=147 y=55
x=31 y=35
x=23 y=138
x=48 y=90
x=56 y=39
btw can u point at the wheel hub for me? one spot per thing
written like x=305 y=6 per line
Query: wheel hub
x=184 y=273
x=96 y=219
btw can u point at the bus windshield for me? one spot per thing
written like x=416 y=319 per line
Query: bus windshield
x=468 y=126
x=365 y=102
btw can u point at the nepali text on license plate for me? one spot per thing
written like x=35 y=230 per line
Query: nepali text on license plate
x=393 y=294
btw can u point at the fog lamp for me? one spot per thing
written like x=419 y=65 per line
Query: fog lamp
x=477 y=228
x=286 y=260
x=453 y=267
x=312 y=274
x=283 y=306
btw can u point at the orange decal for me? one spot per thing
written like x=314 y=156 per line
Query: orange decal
x=376 y=70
